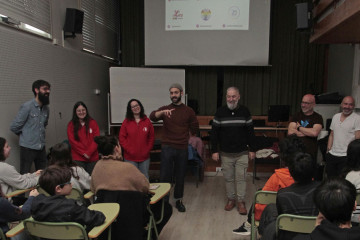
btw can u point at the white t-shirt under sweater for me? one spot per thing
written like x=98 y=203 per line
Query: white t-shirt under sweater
x=344 y=133
x=354 y=178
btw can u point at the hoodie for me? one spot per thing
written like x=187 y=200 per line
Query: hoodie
x=280 y=179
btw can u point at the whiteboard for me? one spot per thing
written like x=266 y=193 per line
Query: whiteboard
x=149 y=85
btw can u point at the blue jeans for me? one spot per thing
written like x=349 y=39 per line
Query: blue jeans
x=142 y=166
x=174 y=164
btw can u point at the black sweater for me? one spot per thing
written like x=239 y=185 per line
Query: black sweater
x=232 y=130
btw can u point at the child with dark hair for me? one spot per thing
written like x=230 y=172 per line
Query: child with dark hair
x=336 y=200
x=296 y=199
x=280 y=179
x=60 y=155
x=57 y=208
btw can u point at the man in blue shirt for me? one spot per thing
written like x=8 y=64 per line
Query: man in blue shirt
x=29 y=125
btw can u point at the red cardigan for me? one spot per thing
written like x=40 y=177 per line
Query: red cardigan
x=86 y=142
x=136 y=139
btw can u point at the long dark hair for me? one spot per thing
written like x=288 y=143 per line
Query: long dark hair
x=60 y=155
x=76 y=122
x=2 y=145
x=130 y=114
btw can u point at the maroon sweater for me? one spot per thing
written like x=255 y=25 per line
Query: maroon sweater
x=176 y=128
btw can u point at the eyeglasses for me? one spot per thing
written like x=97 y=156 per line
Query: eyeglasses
x=306 y=103
x=63 y=184
x=135 y=106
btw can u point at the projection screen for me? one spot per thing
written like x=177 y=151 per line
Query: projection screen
x=201 y=32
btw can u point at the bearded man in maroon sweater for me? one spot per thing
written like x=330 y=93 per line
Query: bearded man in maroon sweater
x=178 y=120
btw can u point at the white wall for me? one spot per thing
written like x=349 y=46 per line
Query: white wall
x=73 y=76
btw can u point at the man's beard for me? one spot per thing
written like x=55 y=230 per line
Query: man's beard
x=176 y=99
x=232 y=106
x=43 y=98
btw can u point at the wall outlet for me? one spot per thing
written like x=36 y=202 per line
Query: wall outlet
x=218 y=169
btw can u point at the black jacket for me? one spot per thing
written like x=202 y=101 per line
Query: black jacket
x=329 y=231
x=232 y=130
x=60 y=209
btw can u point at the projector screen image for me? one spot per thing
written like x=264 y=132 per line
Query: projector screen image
x=207 y=15
x=207 y=32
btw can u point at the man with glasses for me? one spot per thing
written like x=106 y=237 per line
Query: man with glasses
x=307 y=125
x=345 y=127
x=29 y=125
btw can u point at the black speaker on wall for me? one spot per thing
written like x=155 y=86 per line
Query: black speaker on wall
x=73 y=22
x=303 y=16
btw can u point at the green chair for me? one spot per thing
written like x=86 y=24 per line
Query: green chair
x=295 y=223
x=2 y=236
x=260 y=197
x=55 y=230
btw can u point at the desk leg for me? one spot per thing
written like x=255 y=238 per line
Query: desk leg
x=152 y=224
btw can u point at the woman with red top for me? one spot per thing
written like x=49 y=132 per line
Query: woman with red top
x=137 y=137
x=81 y=131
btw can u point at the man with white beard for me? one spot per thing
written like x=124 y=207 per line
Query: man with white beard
x=232 y=141
x=345 y=127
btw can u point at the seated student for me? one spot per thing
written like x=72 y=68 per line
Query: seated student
x=352 y=172
x=122 y=176
x=11 y=213
x=60 y=155
x=296 y=199
x=10 y=179
x=336 y=200
x=57 y=208
x=280 y=179
x=119 y=175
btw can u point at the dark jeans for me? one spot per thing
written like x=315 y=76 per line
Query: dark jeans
x=174 y=164
x=87 y=166
x=334 y=165
x=28 y=156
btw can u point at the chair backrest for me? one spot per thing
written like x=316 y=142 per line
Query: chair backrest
x=295 y=223
x=265 y=197
x=2 y=235
x=133 y=215
x=261 y=197
x=55 y=230
x=75 y=194
x=358 y=198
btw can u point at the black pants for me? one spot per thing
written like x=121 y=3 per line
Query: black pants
x=334 y=165
x=174 y=163
x=28 y=156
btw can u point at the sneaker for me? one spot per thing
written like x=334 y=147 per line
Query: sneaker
x=180 y=206
x=244 y=229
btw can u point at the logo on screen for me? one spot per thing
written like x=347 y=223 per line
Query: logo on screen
x=234 y=12
x=205 y=14
x=177 y=15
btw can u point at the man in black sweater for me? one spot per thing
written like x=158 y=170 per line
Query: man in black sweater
x=231 y=137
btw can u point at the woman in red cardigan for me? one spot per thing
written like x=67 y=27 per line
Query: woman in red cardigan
x=137 y=137
x=81 y=131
